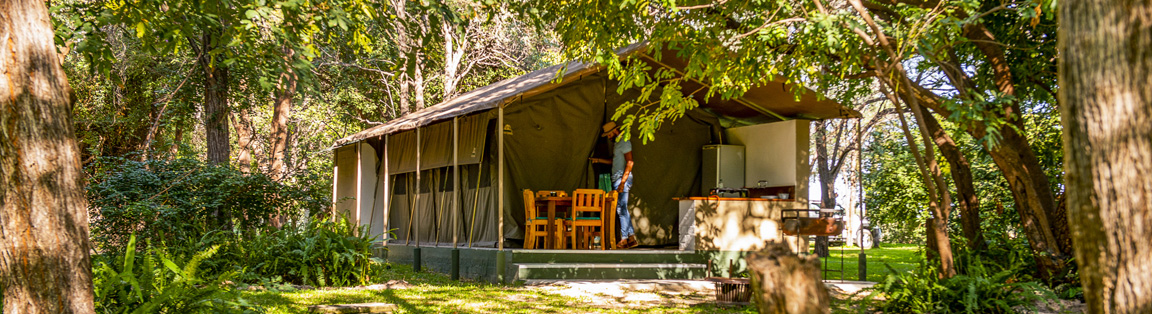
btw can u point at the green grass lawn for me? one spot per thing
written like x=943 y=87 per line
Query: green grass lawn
x=902 y=258
x=436 y=293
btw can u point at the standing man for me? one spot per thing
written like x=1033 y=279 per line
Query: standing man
x=622 y=183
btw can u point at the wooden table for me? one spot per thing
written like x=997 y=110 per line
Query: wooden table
x=553 y=202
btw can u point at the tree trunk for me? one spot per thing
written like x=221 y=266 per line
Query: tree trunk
x=405 y=106
x=44 y=263
x=1045 y=223
x=1034 y=200
x=783 y=282
x=827 y=183
x=280 y=114
x=418 y=83
x=244 y=134
x=938 y=199
x=1106 y=108
x=827 y=200
x=969 y=202
x=932 y=246
x=215 y=103
x=174 y=149
x=453 y=54
x=1040 y=218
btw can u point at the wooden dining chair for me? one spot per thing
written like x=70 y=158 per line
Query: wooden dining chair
x=610 y=228
x=536 y=224
x=587 y=212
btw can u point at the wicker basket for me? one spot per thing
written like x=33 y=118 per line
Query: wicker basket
x=732 y=290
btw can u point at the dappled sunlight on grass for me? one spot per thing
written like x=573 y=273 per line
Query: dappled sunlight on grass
x=435 y=293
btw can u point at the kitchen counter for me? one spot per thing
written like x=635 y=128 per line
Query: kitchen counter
x=714 y=198
x=735 y=224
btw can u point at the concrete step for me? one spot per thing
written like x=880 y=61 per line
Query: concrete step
x=592 y=271
x=607 y=256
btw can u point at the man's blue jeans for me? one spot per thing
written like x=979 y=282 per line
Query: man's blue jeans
x=622 y=204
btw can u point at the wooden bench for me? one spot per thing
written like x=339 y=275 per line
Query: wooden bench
x=353 y=308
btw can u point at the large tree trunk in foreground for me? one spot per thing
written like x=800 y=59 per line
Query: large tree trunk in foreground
x=1105 y=74
x=783 y=282
x=215 y=103
x=44 y=264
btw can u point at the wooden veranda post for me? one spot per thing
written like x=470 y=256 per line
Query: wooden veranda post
x=500 y=199
x=455 y=181
x=416 y=209
x=353 y=214
x=455 y=270
x=387 y=210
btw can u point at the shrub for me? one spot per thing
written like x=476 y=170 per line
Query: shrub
x=188 y=207
x=319 y=253
x=980 y=287
x=181 y=200
x=156 y=283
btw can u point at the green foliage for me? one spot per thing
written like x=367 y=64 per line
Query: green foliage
x=318 y=253
x=242 y=34
x=189 y=207
x=981 y=286
x=895 y=195
x=155 y=282
x=175 y=201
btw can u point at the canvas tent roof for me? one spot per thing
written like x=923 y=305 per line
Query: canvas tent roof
x=772 y=102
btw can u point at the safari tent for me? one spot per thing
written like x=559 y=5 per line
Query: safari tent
x=450 y=176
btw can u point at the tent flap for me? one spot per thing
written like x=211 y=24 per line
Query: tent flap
x=436 y=145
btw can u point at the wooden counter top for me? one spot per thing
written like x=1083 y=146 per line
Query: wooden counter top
x=713 y=198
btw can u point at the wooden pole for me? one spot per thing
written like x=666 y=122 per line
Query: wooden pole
x=387 y=192
x=455 y=181
x=500 y=185
x=415 y=204
x=500 y=258
x=354 y=212
x=454 y=273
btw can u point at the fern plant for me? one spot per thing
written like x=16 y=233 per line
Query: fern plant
x=981 y=287
x=158 y=284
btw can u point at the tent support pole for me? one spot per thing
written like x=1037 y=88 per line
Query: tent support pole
x=335 y=180
x=455 y=182
x=416 y=212
x=386 y=223
x=375 y=194
x=476 y=202
x=455 y=273
x=500 y=197
x=353 y=213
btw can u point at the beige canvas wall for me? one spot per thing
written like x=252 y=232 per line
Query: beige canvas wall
x=344 y=180
x=366 y=196
x=354 y=183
